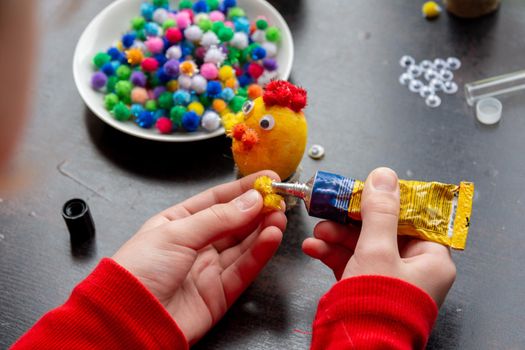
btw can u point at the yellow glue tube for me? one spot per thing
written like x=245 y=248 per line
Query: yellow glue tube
x=432 y=211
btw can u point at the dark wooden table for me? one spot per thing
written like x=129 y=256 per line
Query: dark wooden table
x=347 y=56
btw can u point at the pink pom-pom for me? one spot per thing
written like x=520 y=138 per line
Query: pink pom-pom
x=209 y=71
x=255 y=70
x=183 y=20
x=139 y=95
x=154 y=44
x=149 y=64
x=229 y=24
x=216 y=16
x=164 y=125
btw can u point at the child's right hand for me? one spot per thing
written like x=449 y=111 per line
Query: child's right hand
x=376 y=250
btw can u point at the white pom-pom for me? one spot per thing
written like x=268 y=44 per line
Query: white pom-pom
x=137 y=44
x=209 y=39
x=199 y=17
x=174 y=53
x=198 y=84
x=185 y=82
x=239 y=40
x=271 y=48
x=210 y=121
x=160 y=15
x=214 y=55
x=266 y=77
x=259 y=36
x=193 y=33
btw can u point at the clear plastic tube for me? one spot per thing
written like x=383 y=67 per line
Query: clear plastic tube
x=500 y=85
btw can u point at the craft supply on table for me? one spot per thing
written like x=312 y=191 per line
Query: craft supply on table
x=488 y=110
x=431 y=10
x=316 y=152
x=430 y=77
x=207 y=57
x=432 y=211
x=79 y=221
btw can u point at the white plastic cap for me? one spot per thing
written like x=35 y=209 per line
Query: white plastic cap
x=488 y=110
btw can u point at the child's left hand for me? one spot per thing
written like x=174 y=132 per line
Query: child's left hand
x=200 y=255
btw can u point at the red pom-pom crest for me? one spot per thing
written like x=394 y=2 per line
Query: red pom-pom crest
x=284 y=94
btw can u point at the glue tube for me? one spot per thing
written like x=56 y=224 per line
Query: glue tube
x=428 y=210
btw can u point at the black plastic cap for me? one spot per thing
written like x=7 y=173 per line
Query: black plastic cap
x=78 y=220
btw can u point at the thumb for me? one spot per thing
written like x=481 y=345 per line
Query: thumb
x=380 y=213
x=218 y=221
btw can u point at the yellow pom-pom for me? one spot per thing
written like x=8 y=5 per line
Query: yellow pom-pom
x=431 y=9
x=135 y=56
x=229 y=120
x=196 y=107
x=263 y=185
x=225 y=111
x=226 y=72
x=172 y=85
x=272 y=202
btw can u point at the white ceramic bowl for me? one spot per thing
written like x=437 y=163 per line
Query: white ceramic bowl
x=109 y=25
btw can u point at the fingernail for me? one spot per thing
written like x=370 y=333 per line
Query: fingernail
x=247 y=200
x=384 y=179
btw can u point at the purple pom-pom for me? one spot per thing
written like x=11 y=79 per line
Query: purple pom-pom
x=138 y=79
x=270 y=64
x=158 y=90
x=98 y=80
x=171 y=68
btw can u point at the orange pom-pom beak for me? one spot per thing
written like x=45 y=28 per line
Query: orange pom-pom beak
x=247 y=136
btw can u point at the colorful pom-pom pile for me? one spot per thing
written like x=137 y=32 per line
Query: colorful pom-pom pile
x=182 y=68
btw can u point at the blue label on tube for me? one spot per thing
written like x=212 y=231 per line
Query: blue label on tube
x=331 y=195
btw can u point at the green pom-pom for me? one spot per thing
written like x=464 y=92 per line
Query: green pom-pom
x=123 y=88
x=121 y=111
x=160 y=3
x=213 y=4
x=205 y=24
x=237 y=102
x=225 y=34
x=123 y=72
x=185 y=4
x=176 y=114
x=110 y=100
x=165 y=100
x=141 y=34
x=150 y=105
x=110 y=85
x=205 y=100
x=273 y=34
x=153 y=80
x=236 y=12
x=242 y=92
x=169 y=23
x=261 y=24
x=217 y=26
x=138 y=23
x=101 y=59
x=244 y=55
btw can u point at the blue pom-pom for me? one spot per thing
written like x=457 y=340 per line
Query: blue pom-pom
x=145 y=119
x=190 y=121
x=163 y=76
x=167 y=44
x=161 y=59
x=227 y=94
x=108 y=69
x=242 y=24
x=200 y=6
x=187 y=48
x=151 y=29
x=229 y=3
x=114 y=53
x=136 y=109
x=245 y=80
x=213 y=89
x=258 y=53
x=147 y=10
x=115 y=64
x=128 y=39
x=160 y=113
x=181 y=97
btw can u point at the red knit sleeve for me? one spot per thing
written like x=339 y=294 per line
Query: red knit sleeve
x=110 y=309
x=373 y=312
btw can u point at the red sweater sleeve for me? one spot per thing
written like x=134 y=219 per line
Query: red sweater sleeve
x=373 y=312
x=110 y=309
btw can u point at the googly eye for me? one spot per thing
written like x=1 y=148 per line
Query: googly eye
x=426 y=91
x=247 y=107
x=449 y=87
x=415 y=85
x=440 y=64
x=433 y=101
x=426 y=64
x=414 y=70
x=405 y=78
x=267 y=122
x=446 y=75
x=406 y=61
x=453 y=63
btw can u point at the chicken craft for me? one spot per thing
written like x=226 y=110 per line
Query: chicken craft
x=269 y=132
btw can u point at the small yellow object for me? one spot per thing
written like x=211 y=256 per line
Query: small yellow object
x=172 y=85
x=225 y=111
x=196 y=107
x=231 y=83
x=431 y=9
x=226 y=72
x=120 y=46
x=187 y=67
x=271 y=200
x=231 y=119
x=135 y=56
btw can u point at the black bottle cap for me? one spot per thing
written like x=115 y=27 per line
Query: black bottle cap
x=78 y=220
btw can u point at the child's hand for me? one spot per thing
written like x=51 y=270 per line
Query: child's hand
x=200 y=255
x=376 y=249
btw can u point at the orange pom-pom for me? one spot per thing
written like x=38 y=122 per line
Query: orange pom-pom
x=134 y=56
x=238 y=131
x=254 y=91
x=219 y=105
x=231 y=83
x=249 y=139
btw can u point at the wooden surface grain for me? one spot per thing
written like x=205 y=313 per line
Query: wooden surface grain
x=346 y=56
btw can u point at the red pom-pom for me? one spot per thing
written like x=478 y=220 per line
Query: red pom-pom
x=149 y=64
x=284 y=94
x=174 y=35
x=255 y=70
x=238 y=71
x=249 y=139
x=239 y=130
x=164 y=125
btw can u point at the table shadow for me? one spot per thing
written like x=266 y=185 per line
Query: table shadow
x=160 y=160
